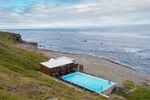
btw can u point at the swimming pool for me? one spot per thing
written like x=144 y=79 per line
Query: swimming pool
x=89 y=82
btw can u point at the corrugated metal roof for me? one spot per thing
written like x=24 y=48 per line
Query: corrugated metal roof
x=57 y=62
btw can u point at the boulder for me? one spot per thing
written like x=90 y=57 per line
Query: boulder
x=121 y=90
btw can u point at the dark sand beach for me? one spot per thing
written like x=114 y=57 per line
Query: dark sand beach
x=99 y=67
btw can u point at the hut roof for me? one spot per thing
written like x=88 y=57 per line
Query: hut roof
x=57 y=62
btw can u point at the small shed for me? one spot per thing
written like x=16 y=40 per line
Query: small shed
x=60 y=66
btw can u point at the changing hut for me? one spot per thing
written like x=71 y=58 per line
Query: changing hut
x=60 y=66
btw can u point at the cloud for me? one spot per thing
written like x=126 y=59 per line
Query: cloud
x=75 y=14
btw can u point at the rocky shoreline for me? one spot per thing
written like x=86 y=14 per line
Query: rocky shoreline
x=97 y=66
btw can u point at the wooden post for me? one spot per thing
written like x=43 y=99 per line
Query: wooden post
x=84 y=87
x=101 y=88
x=77 y=84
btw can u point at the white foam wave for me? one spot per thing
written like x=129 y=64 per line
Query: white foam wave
x=132 y=50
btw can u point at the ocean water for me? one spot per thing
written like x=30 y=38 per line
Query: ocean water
x=131 y=48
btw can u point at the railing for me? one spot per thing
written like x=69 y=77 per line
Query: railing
x=109 y=90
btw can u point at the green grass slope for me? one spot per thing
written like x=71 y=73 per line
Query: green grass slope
x=142 y=93
x=20 y=80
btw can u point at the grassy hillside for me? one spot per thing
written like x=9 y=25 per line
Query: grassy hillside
x=139 y=93
x=142 y=93
x=20 y=80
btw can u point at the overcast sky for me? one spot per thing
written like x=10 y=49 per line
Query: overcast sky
x=73 y=13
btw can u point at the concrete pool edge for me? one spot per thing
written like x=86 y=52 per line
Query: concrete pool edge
x=71 y=86
x=104 y=92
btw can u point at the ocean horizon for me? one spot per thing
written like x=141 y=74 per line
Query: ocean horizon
x=130 y=47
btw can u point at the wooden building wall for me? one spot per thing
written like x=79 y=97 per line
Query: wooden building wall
x=45 y=70
x=61 y=69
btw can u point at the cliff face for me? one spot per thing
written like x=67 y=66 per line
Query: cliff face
x=17 y=38
x=13 y=37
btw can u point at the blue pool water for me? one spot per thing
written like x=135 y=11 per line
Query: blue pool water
x=89 y=82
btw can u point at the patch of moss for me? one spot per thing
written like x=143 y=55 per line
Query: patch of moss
x=129 y=84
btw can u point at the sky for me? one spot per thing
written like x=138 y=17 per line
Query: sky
x=73 y=13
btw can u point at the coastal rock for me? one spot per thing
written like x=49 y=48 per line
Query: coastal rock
x=40 y=47
x=32 y=43
x=121 y=90
x=16 y=38
x=11 y=37
x=147 y=83
x=117 y=97
x=84 y=40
